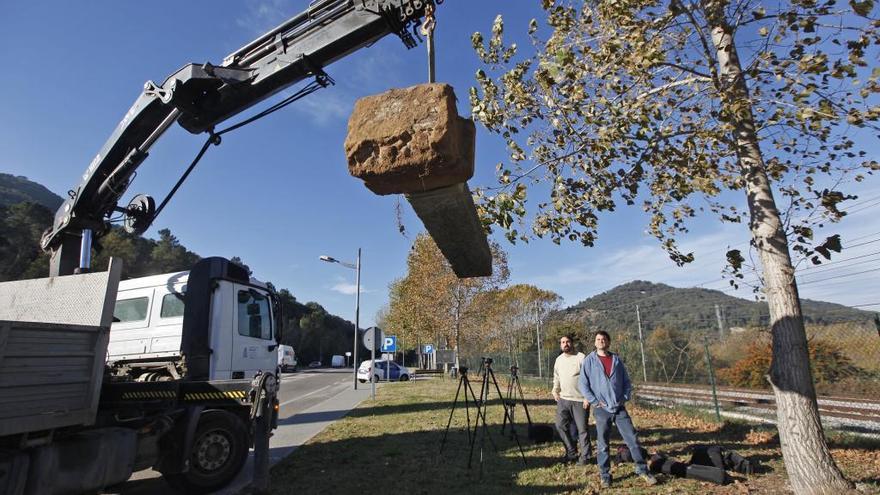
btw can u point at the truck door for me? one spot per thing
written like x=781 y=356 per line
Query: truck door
x=253 y=337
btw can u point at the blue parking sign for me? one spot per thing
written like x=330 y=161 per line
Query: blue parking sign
x=429 y=348
x=389 y=344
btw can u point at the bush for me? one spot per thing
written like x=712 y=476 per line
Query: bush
x=827 y=360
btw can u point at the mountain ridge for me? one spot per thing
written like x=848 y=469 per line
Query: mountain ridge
x=662 y=305
x=18 y=188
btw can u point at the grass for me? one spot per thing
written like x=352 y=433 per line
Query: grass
x=392 y=445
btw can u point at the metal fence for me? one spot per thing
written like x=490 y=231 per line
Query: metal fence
x=723 y=370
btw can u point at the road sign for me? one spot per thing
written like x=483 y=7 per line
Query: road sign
x=445 y=355
x=369 y=338
x=389 y=344
x=429 y=348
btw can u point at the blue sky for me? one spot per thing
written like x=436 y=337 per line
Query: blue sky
x=277 y=193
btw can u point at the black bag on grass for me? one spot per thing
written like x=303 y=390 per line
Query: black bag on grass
x=718 y=456
x=662 y=464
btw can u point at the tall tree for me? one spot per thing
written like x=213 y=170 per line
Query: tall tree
x=21 y=226
x=510 y=316
x=169 y=255
x=431 y=304
x=672 y=103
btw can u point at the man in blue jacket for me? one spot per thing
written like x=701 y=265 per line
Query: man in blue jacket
x=605 y=385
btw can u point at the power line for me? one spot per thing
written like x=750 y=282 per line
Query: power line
x=837 y=267
x=863 y=243
x=839 y=276
x=865 y=305
x=863 y=236
x=863 y=201
x=851 y=212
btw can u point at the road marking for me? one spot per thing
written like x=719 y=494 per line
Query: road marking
x=308 y=394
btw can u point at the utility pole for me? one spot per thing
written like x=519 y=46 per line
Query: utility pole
x=641 y=344
x=538 y=337
x=719 y=315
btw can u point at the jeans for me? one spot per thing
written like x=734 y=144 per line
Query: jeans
x=566 y=411
x=603 y=434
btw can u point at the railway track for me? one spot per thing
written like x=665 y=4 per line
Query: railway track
x=856 y=415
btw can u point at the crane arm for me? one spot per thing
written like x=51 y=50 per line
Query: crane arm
x=200 y=96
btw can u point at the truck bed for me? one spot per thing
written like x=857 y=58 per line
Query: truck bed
x=48 y=374
x=53 y=344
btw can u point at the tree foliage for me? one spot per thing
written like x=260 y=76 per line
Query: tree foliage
x=510 y=317
x=829 y=363
x=21 y=226
x=670 y=104
x=621 y=102
x=431 y=305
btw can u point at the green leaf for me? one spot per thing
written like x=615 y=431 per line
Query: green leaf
x=862 y=8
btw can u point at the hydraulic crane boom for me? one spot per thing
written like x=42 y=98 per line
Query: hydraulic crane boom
x=200 y=96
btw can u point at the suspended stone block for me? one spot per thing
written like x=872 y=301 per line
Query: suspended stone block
x=411 y=141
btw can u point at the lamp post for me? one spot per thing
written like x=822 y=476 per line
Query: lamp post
x=357 y=307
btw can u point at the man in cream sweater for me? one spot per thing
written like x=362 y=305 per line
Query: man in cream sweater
x=570 y=404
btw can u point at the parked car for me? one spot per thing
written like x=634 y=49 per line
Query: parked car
x=315 y=364
x=398 y=372
x=337 y=361
x=286 y=358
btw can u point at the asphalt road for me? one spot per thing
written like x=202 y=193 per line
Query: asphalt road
x=310 y=400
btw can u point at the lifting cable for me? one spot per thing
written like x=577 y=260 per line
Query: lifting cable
x=322 y=80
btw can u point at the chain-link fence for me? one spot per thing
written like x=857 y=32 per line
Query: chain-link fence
x=723 y=367
x=726 y=370
x=844 y=357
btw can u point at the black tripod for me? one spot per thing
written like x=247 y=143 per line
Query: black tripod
x=537 y=433
x=484 y=404
x=514 y=388
x=463 y=384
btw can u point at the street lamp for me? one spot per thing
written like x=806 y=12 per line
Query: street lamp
x=357 y=308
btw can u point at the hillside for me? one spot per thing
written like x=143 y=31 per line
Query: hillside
x=26 y=209
x=689 y=308
x=16 y=189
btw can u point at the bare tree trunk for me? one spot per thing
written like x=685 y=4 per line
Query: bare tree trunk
x=808 y=461
x=457 y=331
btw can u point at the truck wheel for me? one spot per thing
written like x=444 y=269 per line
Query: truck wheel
x=219 y=450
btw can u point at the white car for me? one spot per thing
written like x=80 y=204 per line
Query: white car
x=398 y=372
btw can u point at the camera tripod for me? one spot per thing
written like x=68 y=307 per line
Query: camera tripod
x=514 y=394
x=537 y=433
x=481 y=404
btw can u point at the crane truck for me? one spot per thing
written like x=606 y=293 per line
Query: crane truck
x=100 y=378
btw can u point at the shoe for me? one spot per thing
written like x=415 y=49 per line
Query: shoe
x=650 y=480
x=606 y=482
x=566 y=460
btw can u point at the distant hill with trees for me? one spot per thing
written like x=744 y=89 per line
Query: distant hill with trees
x=27 y=209
x=16 y=189
x=665 y=306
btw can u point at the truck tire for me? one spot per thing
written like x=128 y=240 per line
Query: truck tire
x=219 y=450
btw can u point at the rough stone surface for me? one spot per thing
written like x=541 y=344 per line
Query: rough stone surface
x=451 y=219
x=410 y=140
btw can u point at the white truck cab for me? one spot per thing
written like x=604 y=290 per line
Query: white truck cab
x=233 y=333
